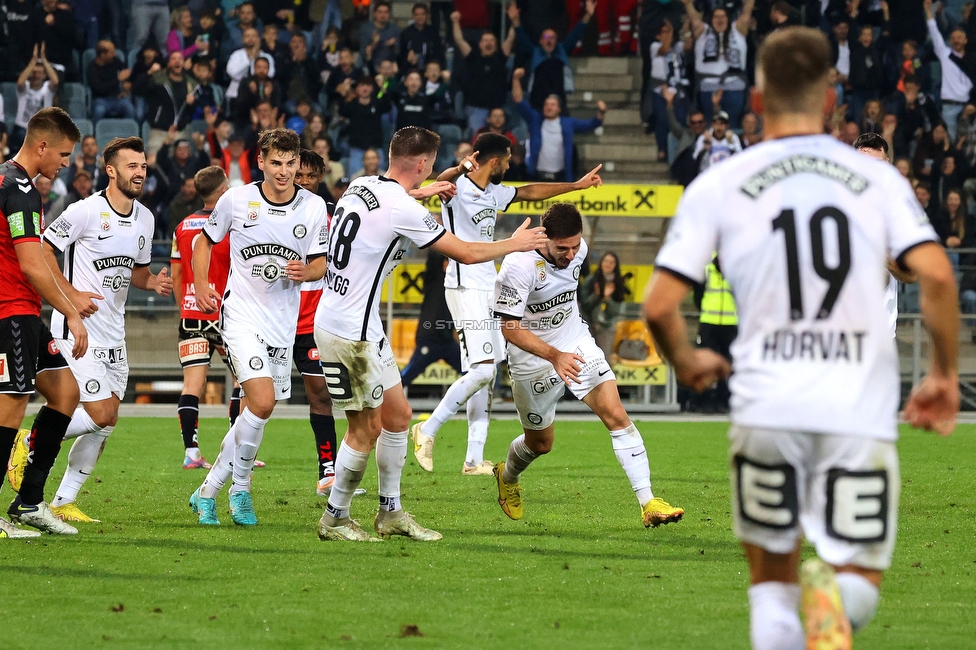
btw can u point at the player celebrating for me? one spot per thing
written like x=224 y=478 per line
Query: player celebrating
x=374 y=222
x=29 y=358
x=549 y=347
x=199 y=333
x=106 y=241
x=278 y=235
x=802 y=224
x=470 y=215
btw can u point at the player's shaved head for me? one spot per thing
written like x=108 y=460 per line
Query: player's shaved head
x=491 y=145
x=791 y=71
x=208 y=181
x=413 y=142
x=283 y=141
x=562 y=220
x=50 y=124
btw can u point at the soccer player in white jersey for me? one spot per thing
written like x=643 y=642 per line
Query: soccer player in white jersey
x=106 y=241
x=802 y=224
x=374 y=223
x=468 y=288
x=550 y=347
x=278 y=234
x=874 y=146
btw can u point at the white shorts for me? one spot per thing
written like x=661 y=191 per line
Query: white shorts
x=356 y=372
x=101 y=373
x=250 y=358
x=841 y=492
x=479 y=330
x=536 y=396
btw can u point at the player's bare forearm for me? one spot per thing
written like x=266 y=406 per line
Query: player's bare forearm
x=664 y=319
x=202 y=248
x=907 y=277
x=517 y=335
x=466 y=252
x=939 y=305
x=176 y=269
x=542 y=191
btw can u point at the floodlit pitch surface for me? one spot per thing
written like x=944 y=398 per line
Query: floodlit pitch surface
x=578 y=571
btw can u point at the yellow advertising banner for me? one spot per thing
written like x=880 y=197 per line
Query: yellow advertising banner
x=611 y=200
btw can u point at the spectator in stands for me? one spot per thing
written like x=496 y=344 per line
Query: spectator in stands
x=81 y=188
x=781 y=14
x=871 y=116
x=910 y=65
x=186 y=202
x=751 y=130
x=667 y=71
x=265 y=116
x=517 y=169
x=954 y=226
x=496 y=124
x=255 y=89
x=218 y=134
x=364 y=112
x=437 y=88
x=915 y=110
x=378 y=40
x=413 y=106
x=551 y=134
x=241 y=62
x=333 y=169
x=419 y=41
x=602 y=300
x=314 y=129
x=548 y=69
x=169 y=100
x=721 y=52
x=149 y=18
x=298 y=74
x=840 y=46
x=110 y=86
x=462 y=151
x=213 y=32
x=247 y=18
x=684 y=168
x=183 y=37
x=16 y=14
x=341 y=186
x=88 y=161
x=867 y=72
x=342 y=78
x=958 y=69
x=371 y=164
x=849 y=132
x=904 y=167
x=55 y=27
x=931 y=150
x=148 y=62
x=43 y=185
x=300 y=119
x=209 y=96
x=717 y=143
x=36 y=87
x=485 y=72
x=236 y=160
x=923 y=192
x=329 y=51
x=183 y=164
x=950 y=178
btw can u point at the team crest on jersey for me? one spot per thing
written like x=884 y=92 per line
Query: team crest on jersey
x=377 y=392
x=116 y=282
x=576 y=273
x=142 y=242
x=92 y=386
x=105 y=219
x=534 y=418
x=540 y=269
x=299 y=231
x=253 y=208
x=269 y=271
x=256 y=363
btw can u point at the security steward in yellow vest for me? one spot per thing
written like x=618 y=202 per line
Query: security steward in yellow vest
x=718 y=326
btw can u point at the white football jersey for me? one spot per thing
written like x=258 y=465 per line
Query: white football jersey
x=374 y=222
x=543 y=296
x=264 y=236
x=101 y=247
x=802 y=226
x=470 y=215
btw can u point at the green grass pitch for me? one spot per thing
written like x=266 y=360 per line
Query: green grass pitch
x=579 y=571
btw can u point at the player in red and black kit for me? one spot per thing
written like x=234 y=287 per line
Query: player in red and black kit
x=199 y=334
x=29 y=357
x=306 y=353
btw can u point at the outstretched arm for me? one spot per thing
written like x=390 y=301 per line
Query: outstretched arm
x=744 y=20
x=463 y=47
x=466 y=252
x=697 y=26
x=541 y=191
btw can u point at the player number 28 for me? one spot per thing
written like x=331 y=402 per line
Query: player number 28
x=345 y=228
x=835 y=276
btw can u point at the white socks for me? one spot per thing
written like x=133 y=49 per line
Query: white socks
x=350 y=466
x=479 y=410
x=81 y=423
x=391 y=454
x=479 y=376
x=249 y=430
x=81 y=461
x=632 y=456
x=774 y=618
x=519 y=458
x=223 y=468
x=860 y=598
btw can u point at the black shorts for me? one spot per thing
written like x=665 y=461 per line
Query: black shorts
x=26 y=349
x=199 y=339
x=307 y=355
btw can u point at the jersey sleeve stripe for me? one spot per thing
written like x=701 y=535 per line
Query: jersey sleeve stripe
x=509 y=204
x=900 y=259
x=506 y=316
x=209 y=238
x=25 y=238
x=53 y=244
x=434 y=240
x=316 y=256
x=679 y=275
x=140 y=266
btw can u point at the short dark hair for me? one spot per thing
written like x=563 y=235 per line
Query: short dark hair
x=312 y=160
x=924 y=185
x=51 y=121
x=871 y=141
x=112 y=149
x=208 y=180
x=562 y=220
x=491 y=145
x=281 y=140
x=911 y=79
x=382 y=3
x=793 y=64
x=411 y=141
x=419 y=5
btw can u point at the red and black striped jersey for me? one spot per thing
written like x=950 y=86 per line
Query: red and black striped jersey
x=22 y=214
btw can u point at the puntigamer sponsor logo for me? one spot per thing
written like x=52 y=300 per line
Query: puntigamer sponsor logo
x=117 y=261
x=561 y=299
x=363 y=192
x=270 y=249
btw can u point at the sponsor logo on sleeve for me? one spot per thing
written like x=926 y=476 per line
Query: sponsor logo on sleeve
x=36 y=218
x=60 y=228
x=17 y=226
x=507 y=297
x=430 y=222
